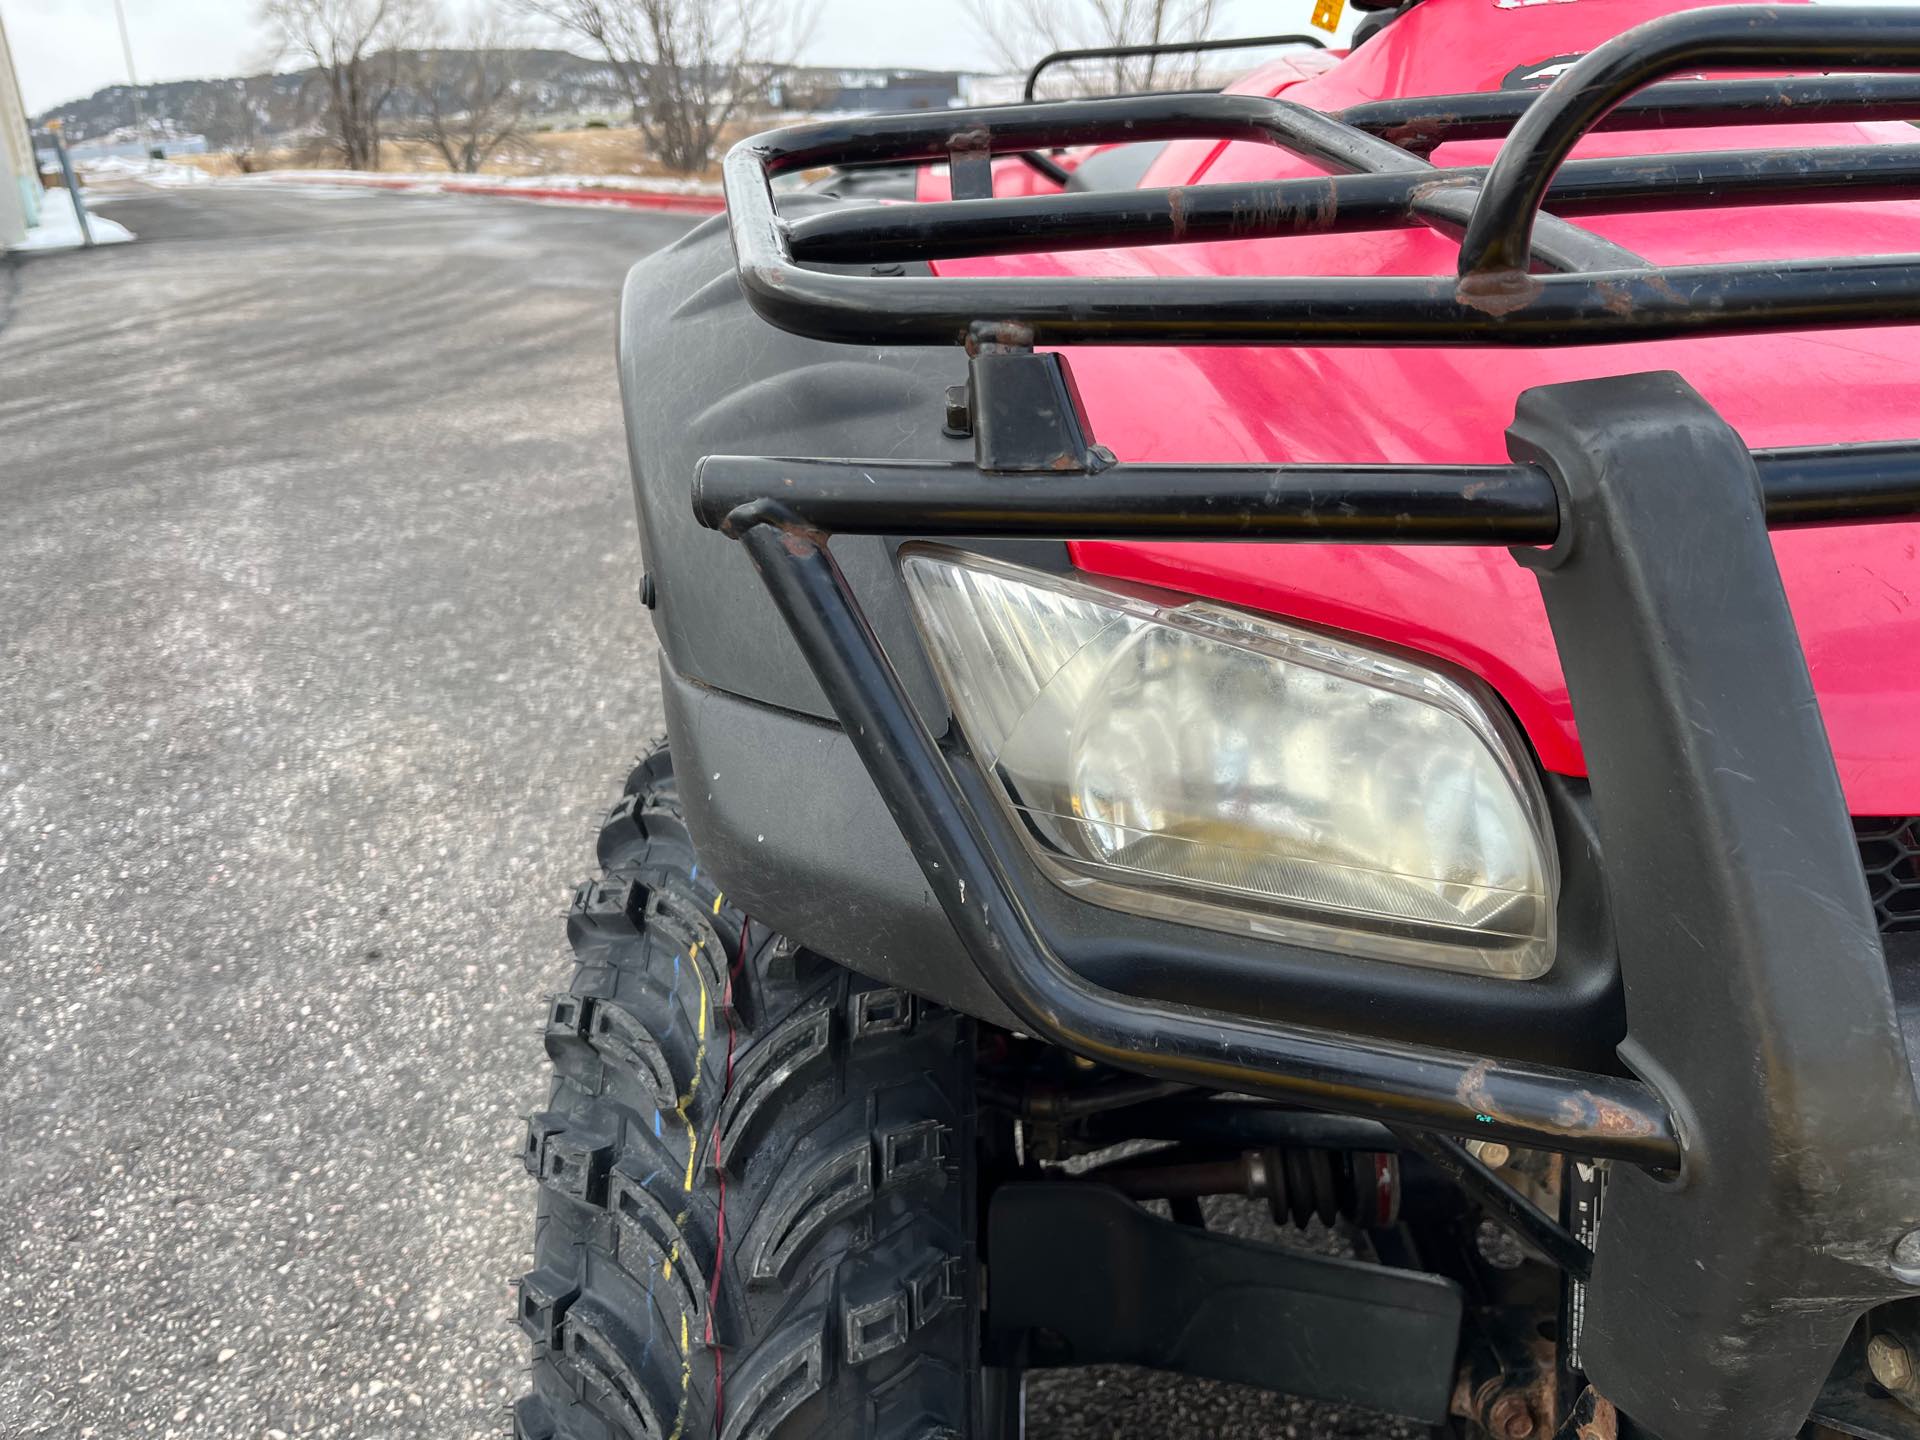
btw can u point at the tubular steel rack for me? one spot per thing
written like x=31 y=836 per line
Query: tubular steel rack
x=1525 y=277
x=1596 y=292
x=1176 y=47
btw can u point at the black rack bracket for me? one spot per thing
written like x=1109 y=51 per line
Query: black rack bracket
x=1742 y=921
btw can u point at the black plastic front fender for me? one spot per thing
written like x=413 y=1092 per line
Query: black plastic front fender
x=701 y=373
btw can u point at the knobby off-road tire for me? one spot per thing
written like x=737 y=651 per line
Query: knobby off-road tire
x=757 y=1209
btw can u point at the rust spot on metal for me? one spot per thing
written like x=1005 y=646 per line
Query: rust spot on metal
x=1328 y=208
x=1588 y=1113
x=970 y=142
x=1419 y=134
x=1543 y=1390
x=1615 y=296
x=1510 y=1417
x=1602 y=1424
x=1269 y=211
x=1663 y=287
x=1579 y=1113
x=1499 y=292
x=1498 y=1405
x=988 y=335
x=1472 y=1089
x=801 y=540
x=1177 y=212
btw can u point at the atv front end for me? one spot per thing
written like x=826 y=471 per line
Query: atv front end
x=1609 y=1075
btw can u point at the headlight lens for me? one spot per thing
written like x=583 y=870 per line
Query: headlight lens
x=1202 y=764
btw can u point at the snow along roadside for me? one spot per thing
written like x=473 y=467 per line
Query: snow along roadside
x=693 y=196
x=59 y=227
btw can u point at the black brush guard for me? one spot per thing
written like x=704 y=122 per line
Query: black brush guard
x=1771 y=1192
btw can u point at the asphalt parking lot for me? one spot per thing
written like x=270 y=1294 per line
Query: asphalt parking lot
x=319 y=659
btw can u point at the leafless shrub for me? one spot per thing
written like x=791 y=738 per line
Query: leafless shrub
x=355 y=48
x=1023 y=30
x=236 y=112
x=470 y=101
x=689 y=67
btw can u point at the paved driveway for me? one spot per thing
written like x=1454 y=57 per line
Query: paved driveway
x=319 y=658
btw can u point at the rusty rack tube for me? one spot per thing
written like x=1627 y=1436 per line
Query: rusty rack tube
x=1785 y=37
x=1420 y=122
x=1337 y=204
x=1400 y=504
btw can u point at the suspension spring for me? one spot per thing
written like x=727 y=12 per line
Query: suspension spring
x=1299 y=1183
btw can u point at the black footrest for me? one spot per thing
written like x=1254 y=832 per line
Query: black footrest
x=1080 y=1275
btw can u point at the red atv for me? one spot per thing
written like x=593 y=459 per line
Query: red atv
x=1519 y=873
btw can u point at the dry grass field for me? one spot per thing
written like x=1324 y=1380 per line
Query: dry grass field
x=596 y=151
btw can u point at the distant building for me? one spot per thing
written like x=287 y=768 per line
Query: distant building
x=19 y=177
x=128 y=143
x=820 y=90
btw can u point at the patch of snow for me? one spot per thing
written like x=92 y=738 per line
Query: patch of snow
x=645 y=184
x=59 y=227
x=653 y=184
x=148 y=172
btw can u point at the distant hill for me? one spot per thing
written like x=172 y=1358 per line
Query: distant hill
x=260 y=110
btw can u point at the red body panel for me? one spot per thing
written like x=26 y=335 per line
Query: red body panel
x=1855 y=590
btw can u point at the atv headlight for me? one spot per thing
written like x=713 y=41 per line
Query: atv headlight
x=1198 y=763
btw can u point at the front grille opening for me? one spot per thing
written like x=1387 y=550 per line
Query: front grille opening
x=1890 y=854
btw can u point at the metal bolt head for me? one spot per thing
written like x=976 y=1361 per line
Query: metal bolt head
x=1906 y=1257
x=1510 y=1417
x=959 y=410
x=1490 y=1153
x=1889 y=1363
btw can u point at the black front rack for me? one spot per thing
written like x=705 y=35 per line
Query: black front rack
x=1592 y=291
x=1038 y=472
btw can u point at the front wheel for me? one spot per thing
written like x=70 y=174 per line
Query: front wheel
x=758 y=1207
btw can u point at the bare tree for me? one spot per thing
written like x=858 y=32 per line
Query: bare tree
x=467 y=91
x=355 y=48
x=688 y=66
x=234 y=115
x=1023 y=30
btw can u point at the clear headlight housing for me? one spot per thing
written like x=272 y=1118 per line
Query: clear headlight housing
x=1197 y=763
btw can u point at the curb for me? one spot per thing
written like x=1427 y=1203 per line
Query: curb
x=584 y=195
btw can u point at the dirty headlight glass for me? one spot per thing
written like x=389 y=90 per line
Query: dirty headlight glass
x=1197 y=763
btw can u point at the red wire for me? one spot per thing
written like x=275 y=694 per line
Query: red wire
x=719 y=1163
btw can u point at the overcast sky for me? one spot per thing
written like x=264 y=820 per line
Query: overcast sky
x=66 y=49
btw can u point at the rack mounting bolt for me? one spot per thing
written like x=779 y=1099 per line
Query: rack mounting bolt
x=1889 y=1363
x=959 y=410
x=1490 y=1153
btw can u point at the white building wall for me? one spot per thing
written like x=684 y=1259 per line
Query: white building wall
x=19 y=178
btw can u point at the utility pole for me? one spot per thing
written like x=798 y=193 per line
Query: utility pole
x=126 y=49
